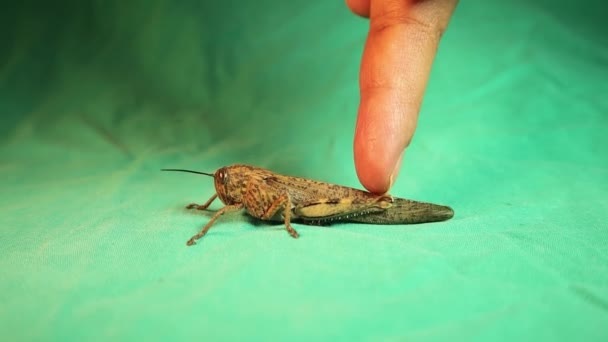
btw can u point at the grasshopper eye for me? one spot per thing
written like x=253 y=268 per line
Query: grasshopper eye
x=222 y=176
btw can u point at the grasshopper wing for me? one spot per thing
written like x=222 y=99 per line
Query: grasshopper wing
x=404 y=211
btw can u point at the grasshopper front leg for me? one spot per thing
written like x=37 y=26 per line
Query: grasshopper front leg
x=219 y=213
x=282 y=202
x=202 y=206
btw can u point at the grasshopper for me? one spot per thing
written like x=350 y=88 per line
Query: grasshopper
x=279 y=198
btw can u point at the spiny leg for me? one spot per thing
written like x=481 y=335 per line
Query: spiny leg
x=284 y=201
x=202 y=206
x=219 y=213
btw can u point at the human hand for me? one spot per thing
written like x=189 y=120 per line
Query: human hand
x=400 y=48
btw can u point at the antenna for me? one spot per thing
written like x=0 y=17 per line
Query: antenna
x=190 y=171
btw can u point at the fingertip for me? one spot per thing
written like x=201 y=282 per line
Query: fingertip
x=375 y=173
x=384 y=129
x=371 y=174
x=377 y=154
x=396 y=170
x=359 y=7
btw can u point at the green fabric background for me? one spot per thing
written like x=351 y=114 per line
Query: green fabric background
x=95 y=98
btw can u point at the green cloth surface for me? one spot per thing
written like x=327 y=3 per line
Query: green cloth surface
x=96 y=98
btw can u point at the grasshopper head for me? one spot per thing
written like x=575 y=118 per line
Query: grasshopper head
x=230 y=184
x=233 y=182
x=222 y=185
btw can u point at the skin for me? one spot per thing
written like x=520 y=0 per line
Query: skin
x=400 y=48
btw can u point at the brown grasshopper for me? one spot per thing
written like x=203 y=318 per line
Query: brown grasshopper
x=278 y=198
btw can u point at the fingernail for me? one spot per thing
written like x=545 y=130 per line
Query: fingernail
x=395 y=173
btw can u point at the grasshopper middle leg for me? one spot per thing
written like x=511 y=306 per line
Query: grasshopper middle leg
x=282 y=202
